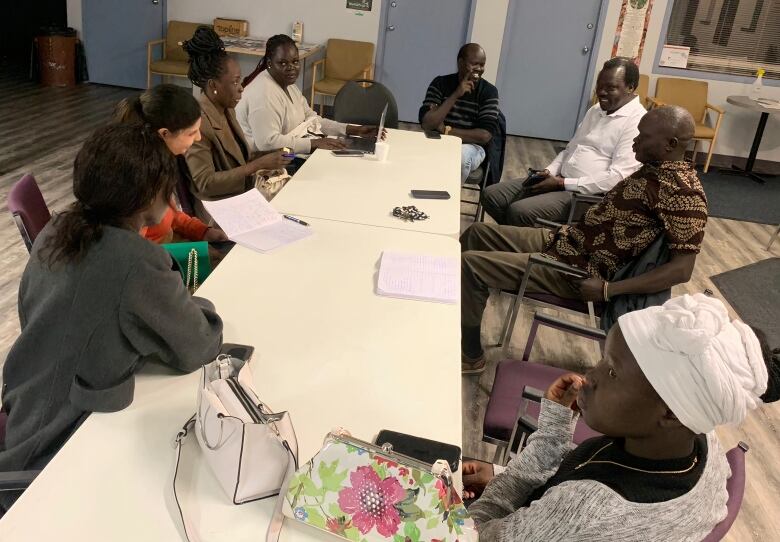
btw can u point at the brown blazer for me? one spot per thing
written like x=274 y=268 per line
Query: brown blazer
x=213 y=160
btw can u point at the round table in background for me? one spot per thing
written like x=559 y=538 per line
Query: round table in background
x=750 y=103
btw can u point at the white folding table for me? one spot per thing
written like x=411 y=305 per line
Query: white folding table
x=327 y=349
x=363 y=191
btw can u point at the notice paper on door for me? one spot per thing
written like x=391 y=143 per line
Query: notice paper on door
x=250 y=221
x=418 y=276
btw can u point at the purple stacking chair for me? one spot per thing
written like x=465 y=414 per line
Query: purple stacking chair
x=736 y=490
x=28 y=208
x=513 y=408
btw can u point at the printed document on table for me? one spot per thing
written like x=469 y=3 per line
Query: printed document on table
x=249 y=220
x=419 y=276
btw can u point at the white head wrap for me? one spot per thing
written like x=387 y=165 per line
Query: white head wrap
x=708 y=370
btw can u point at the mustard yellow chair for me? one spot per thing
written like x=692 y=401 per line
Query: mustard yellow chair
x=692 y=95
x=174 y=61
x=344 y=61
x=641 y=90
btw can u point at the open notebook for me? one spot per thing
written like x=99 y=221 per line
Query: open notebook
x=250 y=221
x=418 y=276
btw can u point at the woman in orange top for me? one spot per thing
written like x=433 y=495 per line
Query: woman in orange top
x=175 y=115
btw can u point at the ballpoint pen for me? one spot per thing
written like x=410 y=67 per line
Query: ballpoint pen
x=298 y=220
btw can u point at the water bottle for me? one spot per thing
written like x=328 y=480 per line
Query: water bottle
x=758 y=85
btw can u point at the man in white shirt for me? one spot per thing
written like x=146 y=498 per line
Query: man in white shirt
x=595 y=160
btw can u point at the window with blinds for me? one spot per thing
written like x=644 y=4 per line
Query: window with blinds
x=728 y=36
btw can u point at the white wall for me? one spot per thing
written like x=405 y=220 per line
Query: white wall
x=322 y=19
x=739 y=125
x=74 y=15
x=488 y=31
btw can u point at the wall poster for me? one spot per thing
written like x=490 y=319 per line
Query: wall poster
x=632 y=28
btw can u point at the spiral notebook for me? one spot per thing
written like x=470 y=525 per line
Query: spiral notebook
x=418 y=276
x=249 y=220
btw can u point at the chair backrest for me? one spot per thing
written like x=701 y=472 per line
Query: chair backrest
x=736 y=490
x=361 y=102
x=687 y=93
x=26 y=203
x=642 y=88
x=346 y=59
x=178 y=31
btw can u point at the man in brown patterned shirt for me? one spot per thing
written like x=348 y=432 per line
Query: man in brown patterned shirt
x=663 y=197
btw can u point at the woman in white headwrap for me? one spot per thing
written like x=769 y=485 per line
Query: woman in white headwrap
x=669 y=376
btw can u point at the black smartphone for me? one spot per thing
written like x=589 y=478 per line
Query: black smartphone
x=239 y=351
x=430 y=194
x=347 y=152
x=422 y=449
x=535 y=176
x=432 y=134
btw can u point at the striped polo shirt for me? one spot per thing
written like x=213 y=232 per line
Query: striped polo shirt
x=477 y=109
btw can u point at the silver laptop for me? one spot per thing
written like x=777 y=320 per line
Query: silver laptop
x=367 y=144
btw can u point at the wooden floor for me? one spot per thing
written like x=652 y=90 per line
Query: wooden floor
x=41 y=130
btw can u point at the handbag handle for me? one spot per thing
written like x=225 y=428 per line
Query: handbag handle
x=192 y=265
x=277 y=519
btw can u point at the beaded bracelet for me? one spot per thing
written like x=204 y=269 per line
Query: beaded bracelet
x=409 y=213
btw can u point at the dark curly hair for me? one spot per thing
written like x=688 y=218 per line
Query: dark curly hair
x=207 y=56
x=164 y=106
x=273 y=43
x=118 y=172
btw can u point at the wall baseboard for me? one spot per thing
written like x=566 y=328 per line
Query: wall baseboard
x=724 y=161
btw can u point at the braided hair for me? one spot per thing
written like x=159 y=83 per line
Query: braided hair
x=271 y=46
x=207 y=56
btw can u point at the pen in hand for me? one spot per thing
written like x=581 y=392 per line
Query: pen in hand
x=298 y=220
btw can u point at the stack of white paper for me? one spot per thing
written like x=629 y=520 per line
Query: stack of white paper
x=250 y=221
x=417 y=276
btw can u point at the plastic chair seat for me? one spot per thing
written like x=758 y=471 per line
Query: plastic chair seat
x=576 y=305
x=170 y=67
x=475 y=177
x=506 y=398
x=328 y=85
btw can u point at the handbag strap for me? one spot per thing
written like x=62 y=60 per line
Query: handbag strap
x=277 y=519
x=190 y=533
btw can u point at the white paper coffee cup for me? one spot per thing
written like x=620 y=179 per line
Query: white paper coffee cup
x=381 y=151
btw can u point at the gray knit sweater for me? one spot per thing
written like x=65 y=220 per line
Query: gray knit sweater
x=589 y=510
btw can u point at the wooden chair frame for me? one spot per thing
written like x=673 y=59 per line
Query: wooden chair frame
x=367 y=73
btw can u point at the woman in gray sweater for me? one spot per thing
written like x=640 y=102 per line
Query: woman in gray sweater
x=669 y=376
x=97 y=300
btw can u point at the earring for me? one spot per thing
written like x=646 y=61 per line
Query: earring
x=215 y=92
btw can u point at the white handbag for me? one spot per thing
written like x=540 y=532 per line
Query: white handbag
x=249 y=448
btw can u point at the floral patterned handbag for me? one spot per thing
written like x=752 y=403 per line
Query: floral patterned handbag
x=366 y=493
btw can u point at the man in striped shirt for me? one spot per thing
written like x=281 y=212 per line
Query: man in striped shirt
x=464 y=105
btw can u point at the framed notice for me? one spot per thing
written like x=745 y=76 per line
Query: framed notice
x=362 y=5
x=674 y=56
x=632 y=28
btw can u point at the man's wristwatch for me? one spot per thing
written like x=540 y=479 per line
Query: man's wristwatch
x=447 y=129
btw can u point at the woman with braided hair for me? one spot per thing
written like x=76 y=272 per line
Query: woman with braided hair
x=273 y=106
x=220 y=164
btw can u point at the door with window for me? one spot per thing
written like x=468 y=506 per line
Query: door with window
x=420 y=40
x=115 y=35
x=544 y=65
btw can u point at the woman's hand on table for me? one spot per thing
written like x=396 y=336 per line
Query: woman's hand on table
x=328 y=144
x=272 y=160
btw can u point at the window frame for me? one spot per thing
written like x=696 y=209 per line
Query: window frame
x=691 y=73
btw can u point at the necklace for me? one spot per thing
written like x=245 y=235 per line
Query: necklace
x=589 y=461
